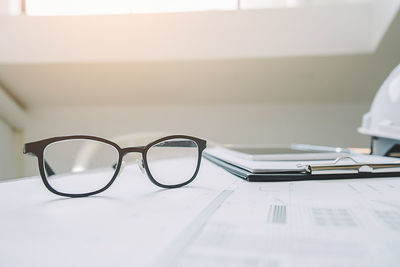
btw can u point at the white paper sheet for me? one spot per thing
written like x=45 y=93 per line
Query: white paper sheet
x=127 y=225
x=309 y=223
x=219 y=220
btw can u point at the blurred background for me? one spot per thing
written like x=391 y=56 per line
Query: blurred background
x=229 y=71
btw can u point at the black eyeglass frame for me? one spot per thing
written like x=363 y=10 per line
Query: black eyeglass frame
x=37 y=149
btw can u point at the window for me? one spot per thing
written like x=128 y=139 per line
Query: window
x=92 y=7
x=86 y=7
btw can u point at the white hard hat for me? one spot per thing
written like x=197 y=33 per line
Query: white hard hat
x=382 y=122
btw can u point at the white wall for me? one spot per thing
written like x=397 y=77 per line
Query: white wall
x=324 y=124
x=10 y=152
x=10 y=161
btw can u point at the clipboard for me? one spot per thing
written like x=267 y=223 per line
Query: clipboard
x=343 y=167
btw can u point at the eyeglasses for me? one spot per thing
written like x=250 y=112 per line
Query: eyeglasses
x=80 y=165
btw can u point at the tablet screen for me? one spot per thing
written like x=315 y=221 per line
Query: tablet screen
x=272 y=150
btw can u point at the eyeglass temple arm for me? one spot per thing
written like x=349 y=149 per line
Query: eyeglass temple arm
x=49 y=170
x=28 y=150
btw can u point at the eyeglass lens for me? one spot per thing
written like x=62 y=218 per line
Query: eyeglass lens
x=173 y=161
x=79 y=166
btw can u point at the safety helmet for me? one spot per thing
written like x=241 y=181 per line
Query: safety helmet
x=382 y=122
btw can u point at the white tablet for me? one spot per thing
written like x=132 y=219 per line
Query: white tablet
x=286 y=152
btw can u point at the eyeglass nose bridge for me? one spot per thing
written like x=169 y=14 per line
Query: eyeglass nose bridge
x=134 y=149
x=139 y=149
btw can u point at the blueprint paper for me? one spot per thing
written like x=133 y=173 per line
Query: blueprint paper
x=218 y=220
x=127 y=225
x=324 y=223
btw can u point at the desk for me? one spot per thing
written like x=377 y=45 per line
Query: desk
x=219 y=220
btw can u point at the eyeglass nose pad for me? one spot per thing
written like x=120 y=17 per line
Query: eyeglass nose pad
x=122 y=165
x=114 y=166
x=141 y=165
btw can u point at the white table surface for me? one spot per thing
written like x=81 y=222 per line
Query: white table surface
x=218 y=220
